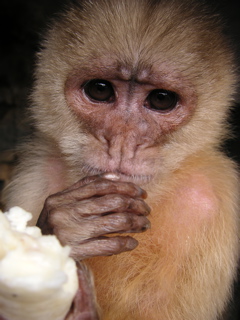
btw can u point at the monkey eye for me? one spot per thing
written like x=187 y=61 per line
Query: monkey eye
x=161 y=100
x=99 y=90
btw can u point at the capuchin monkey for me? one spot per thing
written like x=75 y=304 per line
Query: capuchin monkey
x=130 y=104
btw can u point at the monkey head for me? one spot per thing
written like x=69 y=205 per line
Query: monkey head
x=133 y=87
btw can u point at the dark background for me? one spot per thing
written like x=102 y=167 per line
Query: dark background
x=21 y=24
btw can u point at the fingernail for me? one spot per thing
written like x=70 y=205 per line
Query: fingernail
x=131 y=243
x=148 y=209
x=146 y=227
x=143 y=194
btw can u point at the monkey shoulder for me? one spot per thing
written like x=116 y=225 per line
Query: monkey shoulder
x=205 y=187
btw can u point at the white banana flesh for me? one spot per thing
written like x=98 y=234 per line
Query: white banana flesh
x=38 y=279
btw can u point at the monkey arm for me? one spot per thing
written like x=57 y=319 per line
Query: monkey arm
x=84 y=304
x=34 y=179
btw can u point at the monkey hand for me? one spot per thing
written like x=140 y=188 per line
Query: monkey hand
x=84 y=214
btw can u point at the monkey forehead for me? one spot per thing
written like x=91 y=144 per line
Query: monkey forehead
x=140 y=31
x=140 y=26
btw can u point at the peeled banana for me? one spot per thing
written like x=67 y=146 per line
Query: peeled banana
x=38 y=279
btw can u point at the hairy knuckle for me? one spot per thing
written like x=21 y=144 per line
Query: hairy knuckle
x=117 y=245
x=52 y=219
x=101 y=184
x=108 y=186
x=56 y=217
x=122 y=201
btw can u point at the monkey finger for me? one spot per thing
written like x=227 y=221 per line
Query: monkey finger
x=83 y=182
x=73 y=234
x=75 y=210
x=120 y=223
x=113 y=203
x=103 y=247
x=88 y=179
x=65 y=217
x=98 y=187
x=104 y=186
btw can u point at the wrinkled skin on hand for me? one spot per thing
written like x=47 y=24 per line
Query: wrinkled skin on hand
x=83 y=216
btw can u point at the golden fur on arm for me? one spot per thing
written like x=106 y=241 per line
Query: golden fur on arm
x=187 y=261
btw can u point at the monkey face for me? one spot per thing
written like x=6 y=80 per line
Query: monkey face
x=144 y=105
x=133 y=93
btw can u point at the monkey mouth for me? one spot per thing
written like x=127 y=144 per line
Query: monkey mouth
x=135 y=178
x=138 y=179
